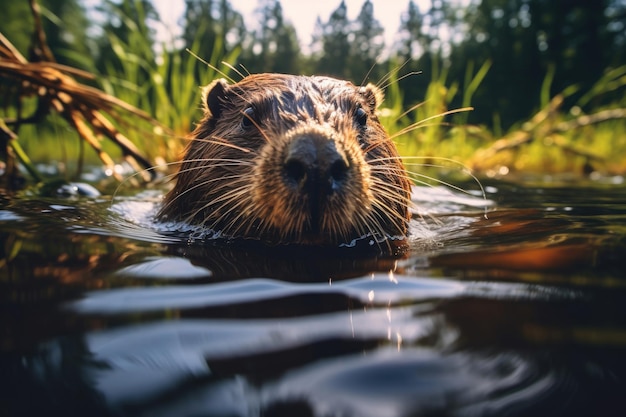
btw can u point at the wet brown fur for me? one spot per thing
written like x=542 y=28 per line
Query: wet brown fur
x=232 y=176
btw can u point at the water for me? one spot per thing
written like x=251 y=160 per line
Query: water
x=514 y=305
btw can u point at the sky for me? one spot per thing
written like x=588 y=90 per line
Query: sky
x=302 y=14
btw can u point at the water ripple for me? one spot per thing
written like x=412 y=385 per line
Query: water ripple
x=378 y=289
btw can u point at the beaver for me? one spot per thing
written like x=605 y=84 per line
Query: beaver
x=291 y=159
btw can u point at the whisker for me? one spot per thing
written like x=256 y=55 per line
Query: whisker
x=375 y=145
x=235 y=196
x=375 y=217
x=394 y=190
x=411 y=109
x=256 y=124
x=413 y=127
x=363 y=225
x=209 y=162
x=130 y=177
x=385 y=81
x=236 y=226
x=229 y=196
x=213 y=67
x=391 y=199
x=172 y=175
x=464 y=168
x=235 y=70
x=201 y=184
x=407 y=75
x=221 y=142
x=391 y=192
x=422 y=122
x=227 y=162
x=413 y=174
x=368 y=73
x=193 y=214
x=243 y=67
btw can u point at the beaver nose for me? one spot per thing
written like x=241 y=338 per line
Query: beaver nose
x=315 y=166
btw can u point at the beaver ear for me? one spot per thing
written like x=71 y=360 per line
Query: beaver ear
x=214 y=96
x=373 y=95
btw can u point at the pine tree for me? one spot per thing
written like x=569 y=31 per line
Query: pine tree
x=65 y=25
x=274 y=46
x=367 y=44
x=414 y=42
x=332 y=42
x=212 y=28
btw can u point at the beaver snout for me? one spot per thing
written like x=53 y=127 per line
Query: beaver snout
x=314 y=166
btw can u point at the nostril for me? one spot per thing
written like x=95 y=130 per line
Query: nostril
x=295 y=170
x=339 y=169
x=314 y=166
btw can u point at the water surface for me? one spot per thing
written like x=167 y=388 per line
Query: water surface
x=514 y=305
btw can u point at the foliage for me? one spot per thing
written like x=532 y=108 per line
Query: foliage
x=335 y=47
x=166 y=84
x=64 y=23
x=526 y=38
x=52 y=87
x=275 y=44
x=213 y=27
x=367 y=43
x=127 y=26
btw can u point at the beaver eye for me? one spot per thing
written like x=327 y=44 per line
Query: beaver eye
x=247 y=121
x=361 y=117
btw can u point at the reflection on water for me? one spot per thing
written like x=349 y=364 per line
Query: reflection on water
x=511 y=306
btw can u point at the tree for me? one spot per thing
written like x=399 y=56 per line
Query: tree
x=367 y=42
x=275 y=45
x=414 y=42
x=333 y=44
x=578 y=36
x=525 y=38
x=65 y=25
x=212 y=28
x=500 y=31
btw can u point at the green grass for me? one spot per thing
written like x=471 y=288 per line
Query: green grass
x=165 y=87
x=554 y=140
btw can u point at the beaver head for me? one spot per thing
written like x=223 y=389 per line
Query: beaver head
x=291 y=159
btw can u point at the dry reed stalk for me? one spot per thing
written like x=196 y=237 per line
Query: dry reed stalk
x=88 y=110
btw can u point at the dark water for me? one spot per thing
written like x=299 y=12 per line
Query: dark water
x=521 y=313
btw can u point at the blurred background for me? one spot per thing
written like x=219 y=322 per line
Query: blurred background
x=535 y=68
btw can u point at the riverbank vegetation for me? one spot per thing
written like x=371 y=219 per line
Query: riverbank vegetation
x=499 y=86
